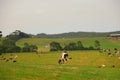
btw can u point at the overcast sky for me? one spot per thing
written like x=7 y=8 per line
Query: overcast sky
x=59 y=16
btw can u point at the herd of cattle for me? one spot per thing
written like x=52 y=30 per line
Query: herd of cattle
x=12 y=57
x=110 y=53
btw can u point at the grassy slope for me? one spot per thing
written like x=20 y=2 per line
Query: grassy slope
x=42 y=42
x=82 y=66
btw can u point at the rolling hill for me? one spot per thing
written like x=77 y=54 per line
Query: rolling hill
x=76 y=34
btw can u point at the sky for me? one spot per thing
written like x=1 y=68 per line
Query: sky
x=59 y=16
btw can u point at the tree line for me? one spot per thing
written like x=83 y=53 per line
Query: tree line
x=8 y=46
x=55 y=46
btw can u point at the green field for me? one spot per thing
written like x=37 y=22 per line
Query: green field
x=84 y=65
x=42 y=42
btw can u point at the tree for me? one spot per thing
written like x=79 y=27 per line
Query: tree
x=1 y=49
x=0 y=34
x=71 y=46
x=17 y=35
x=55 y=46
x=9 y=45
x=0 y=43
x=29 y=48
x=33 y=48
x=97 y=44
x=80 y=45
x=90 y=48
x=26 y=48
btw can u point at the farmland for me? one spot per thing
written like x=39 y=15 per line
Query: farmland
x=42 y=42
x=84 y=65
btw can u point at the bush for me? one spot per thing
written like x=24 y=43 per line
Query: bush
x=9 y=45
x=29 y=48
x=55 y=46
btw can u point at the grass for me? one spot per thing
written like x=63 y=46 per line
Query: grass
x=82 y=66
x=42 y=42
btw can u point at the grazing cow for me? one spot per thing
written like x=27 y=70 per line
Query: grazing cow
x=64 y=57
x=3 y=58
x=7 y=60
x=14 y=61
x=113 y=66
x=11 y=57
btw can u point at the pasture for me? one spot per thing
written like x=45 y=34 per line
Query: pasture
x=84 y=65
x=87 y=41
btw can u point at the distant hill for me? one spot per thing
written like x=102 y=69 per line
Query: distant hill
x=76 y=34
x=16 y=35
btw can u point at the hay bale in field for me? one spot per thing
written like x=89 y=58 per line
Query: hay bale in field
x=118 y=57
x=102 y=66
